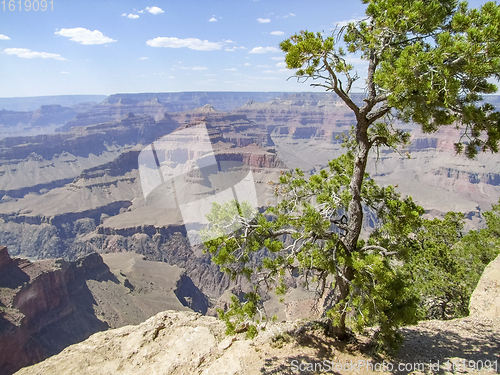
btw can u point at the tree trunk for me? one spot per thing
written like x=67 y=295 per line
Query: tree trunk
x=355 y=223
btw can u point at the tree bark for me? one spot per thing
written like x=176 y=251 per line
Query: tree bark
x=355 y=224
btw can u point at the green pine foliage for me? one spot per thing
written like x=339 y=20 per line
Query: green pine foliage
x=428 y=62
x=409 y=269
x=299 y=235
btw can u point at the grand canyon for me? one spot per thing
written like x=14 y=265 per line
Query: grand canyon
x=83 y=250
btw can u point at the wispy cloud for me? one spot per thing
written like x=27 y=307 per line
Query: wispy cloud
x=195 y=68
x=277 y=33
x=63 y=72
x=28 y=54
x=263 y=20
x=191 y=43
x=264 y=50
x=85 y=36
x=276 y=58
x=131 y=16
x=143 y=58
x=231 y=70
x=289 y=15
x=4 y=37
x=213 y=19
x=356 y=61
x=231 y=49
x=154 y=10
x=346 y=22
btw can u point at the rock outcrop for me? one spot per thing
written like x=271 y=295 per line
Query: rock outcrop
x=188 y=343
x=44 y=307
x=50 y=304
x=485 y=300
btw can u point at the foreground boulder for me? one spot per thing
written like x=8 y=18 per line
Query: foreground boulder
x=485 y=301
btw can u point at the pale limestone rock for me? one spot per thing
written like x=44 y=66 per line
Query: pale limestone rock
x=485 y=301
x=168 y=343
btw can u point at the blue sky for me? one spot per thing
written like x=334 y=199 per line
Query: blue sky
x=107 y=47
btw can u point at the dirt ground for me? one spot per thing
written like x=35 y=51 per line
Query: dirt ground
x=461 y=346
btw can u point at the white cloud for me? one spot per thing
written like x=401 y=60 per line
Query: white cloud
x=132 y=16
x=4 y=37
x=191 y=43
x=213 y=19
x=277 y=33
x=231 y=49
x=281 y=65
x=277 y=58
x=154 y=10
x=263 y=20
x=356 y=61
x=63 y=72
x=194 y=68
x=289 y=15
x=84 y=36
x=268 y=71
x=231 y=70
x=247 y=64
x=261 y=77
x=346 y=22
x=28 y=54
x=264 y=50
x=143 y=58
x=141 y=11
x=228 y=41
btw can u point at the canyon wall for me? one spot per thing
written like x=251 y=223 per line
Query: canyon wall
x=50 y=304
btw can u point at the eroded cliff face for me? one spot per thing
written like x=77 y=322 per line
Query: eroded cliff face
x=45 y=306
x=50 y=304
